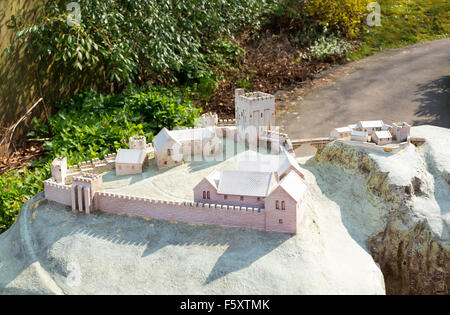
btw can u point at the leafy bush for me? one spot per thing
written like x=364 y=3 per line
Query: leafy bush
x=16 y=187
x=329 y=48
x=305 y=17
x=340 y=15
x=90 y=125
x=123 y=41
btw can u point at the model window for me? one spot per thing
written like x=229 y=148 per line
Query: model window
x=258 y=198
x=207 y=195
x=242 y=198
x=283 y=206
x=204 y=194
x=225 y=197
x=280 y=221
x=261 y=115
x=277 y=204
x=169 y=152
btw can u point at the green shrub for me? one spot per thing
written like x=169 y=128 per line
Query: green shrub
x=123 y=41
x=305 y=18
x=16 y=187
x=90 y=125
x=330 y=48
x=340 y=15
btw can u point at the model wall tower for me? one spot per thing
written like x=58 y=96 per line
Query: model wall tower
x=59 y=170
x=83 y=190
x=138 y=143
x=401 y=131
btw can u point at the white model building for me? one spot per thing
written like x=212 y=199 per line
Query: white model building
x=172 y=145
x=370 y=126
x=130 y=161
x=381 y=137
x=361 y=136
x=255 y=114
x=341 y=133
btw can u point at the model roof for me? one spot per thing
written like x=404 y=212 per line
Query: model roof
x=384 y=134
x=293 y=185
x=371 y=123
x=192 y=133
x=359 y=133
x=343 y=129
x=214 y=178
x=245 y=183
x=259 y=163
x=130 y=156
x=162 y=137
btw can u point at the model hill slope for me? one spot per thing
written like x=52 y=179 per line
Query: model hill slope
x=364 y=209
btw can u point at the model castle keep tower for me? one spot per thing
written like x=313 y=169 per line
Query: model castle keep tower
x=255 y=114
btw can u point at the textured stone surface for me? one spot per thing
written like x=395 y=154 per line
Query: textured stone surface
x=52 y=250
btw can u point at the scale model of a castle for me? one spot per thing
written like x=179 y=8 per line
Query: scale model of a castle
x=267 y=194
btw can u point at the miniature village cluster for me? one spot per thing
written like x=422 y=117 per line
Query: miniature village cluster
x=267 y=193
x=374 y=134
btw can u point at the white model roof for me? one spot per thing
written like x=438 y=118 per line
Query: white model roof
x=259 y=163
x=293 y=185
x=353 y=126
x=343 y=129
x=359 y=133
x=162 y=137
x=371 y=124
x=242 y=183
x=288 y=161
x=383 y=134
x=214 y=178
x=193 y=134
x=129 y=156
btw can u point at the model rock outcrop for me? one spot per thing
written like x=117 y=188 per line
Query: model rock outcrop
x=411 y=190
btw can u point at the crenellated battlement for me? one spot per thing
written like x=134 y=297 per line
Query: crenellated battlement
x=256 y=96
x=51 y=183
x=86 y=177
x=172 y=203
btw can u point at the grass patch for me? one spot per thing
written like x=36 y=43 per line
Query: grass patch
x=405 y=22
